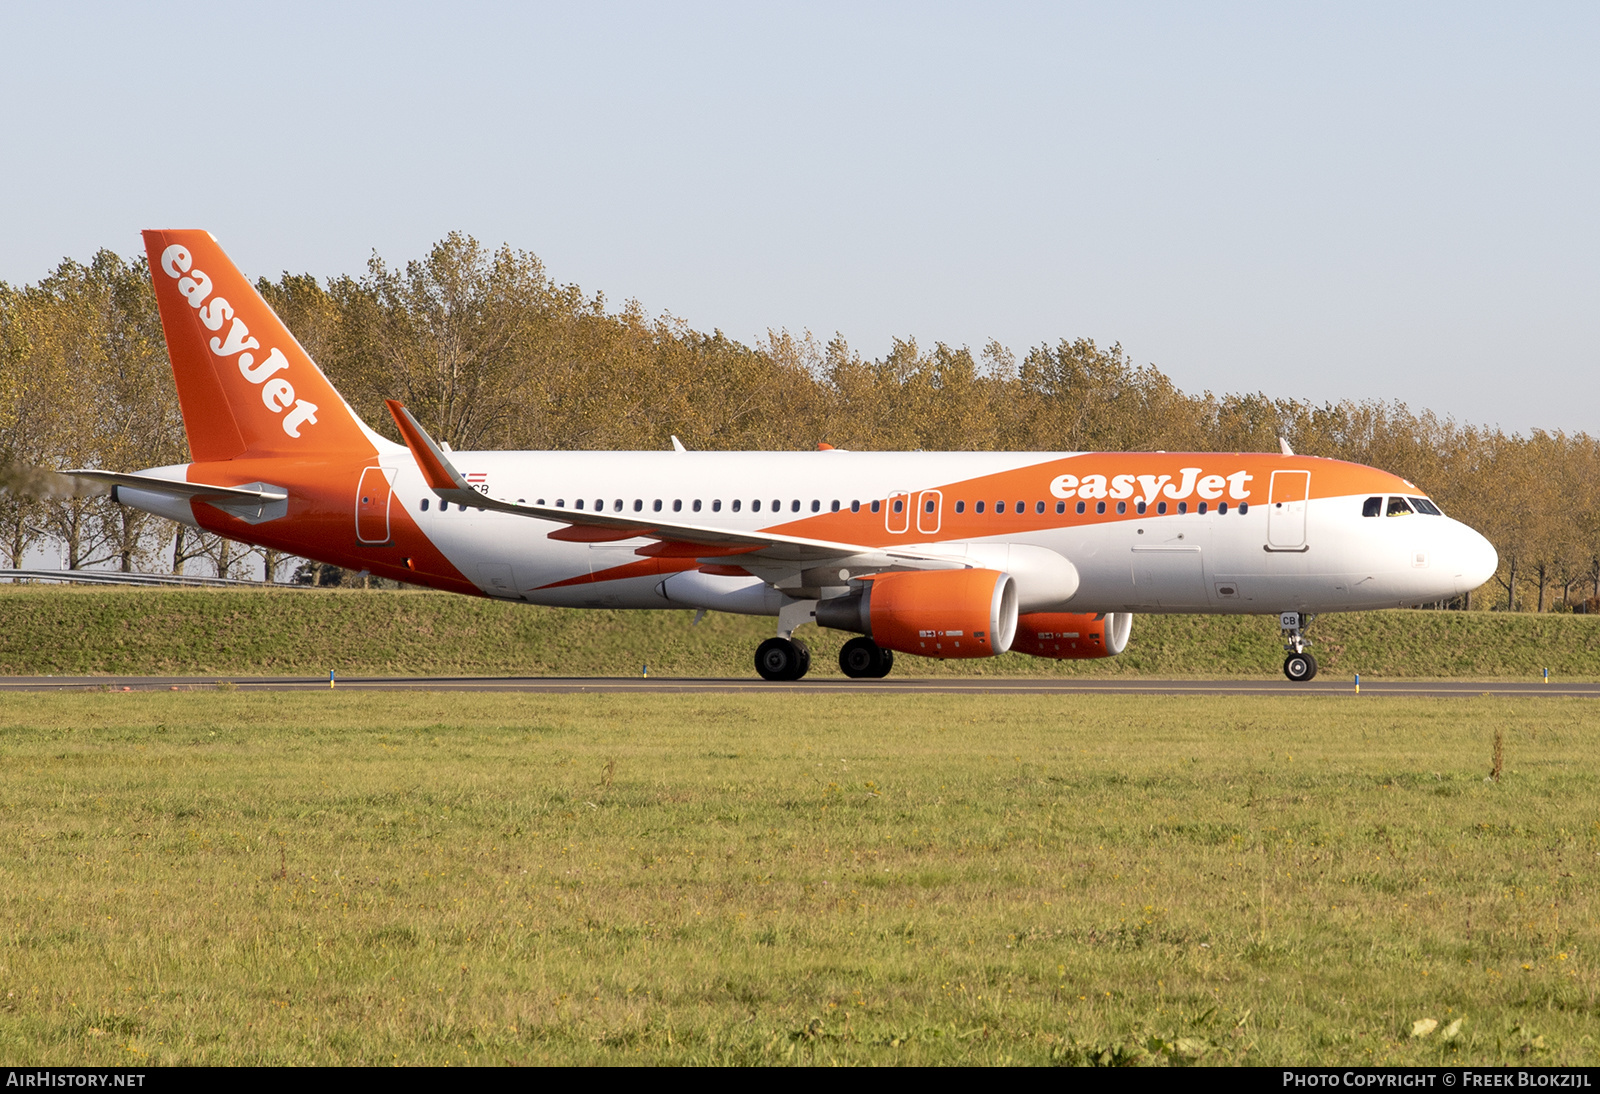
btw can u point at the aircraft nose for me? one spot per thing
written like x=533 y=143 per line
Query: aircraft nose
x=1476 y=559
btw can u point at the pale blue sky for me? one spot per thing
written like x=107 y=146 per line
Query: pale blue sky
x=1353 y=201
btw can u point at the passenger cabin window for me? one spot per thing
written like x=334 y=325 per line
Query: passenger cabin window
x=999 y=507
x=1122 y=507
x=1139 y=507
x=716 y=505
x=424 y=505
x=1244 y=507
x=561 y=503
x=696 y=505
x=1398 y=508
x=600 y=504
x=961 y=507
x=1081 y=507
x=638 y=504
x=656 y=505
x=978 y=508
x=835 y=508
x=755 y=506
x=736 y=504
x=1202 y=509
x=816 y=505
x=1022 y=507
x=1100 y=507
x=794 y=506
x=1222 y=508
x=578 y=504
x=855 y=507
x=677 y=505
x=1423 y=505
x=1061 y=507
x=927 y=507
x=876 y=506
x=1183 y=507
x=899 y=505
x=1372 y=507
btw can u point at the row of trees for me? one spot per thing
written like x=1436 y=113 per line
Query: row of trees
x=490 y=352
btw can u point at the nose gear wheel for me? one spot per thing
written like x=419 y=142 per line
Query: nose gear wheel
x=1299 y=667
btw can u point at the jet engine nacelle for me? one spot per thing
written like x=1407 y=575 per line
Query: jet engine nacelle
x=1072 y=636
x=933 y=613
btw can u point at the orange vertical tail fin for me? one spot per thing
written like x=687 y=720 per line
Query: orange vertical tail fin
x=245 y=385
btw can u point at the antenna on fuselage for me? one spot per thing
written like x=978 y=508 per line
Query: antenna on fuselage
x=677 y=445
x=1283 y=446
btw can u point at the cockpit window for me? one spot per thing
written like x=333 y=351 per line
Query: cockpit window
x=1373 y=507
x=1423 y=505
x=1398 y=508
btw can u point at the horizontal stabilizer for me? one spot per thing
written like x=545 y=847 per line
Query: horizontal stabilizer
x=175 y=487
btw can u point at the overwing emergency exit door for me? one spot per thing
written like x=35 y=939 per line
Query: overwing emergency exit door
x=930 y=511
x=897 y=517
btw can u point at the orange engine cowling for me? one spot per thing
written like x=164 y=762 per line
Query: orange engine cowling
x=1073 y=636
x=934 y=613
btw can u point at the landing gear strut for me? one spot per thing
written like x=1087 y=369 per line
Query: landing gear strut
x=1299 y=665
x=864 y=659
x=782 y=659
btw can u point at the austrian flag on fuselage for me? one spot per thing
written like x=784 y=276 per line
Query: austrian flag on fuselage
x=942 y=554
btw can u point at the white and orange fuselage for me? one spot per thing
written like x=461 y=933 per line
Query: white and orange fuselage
x=760 y=532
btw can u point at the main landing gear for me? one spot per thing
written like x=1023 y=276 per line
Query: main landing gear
x=864 y=659
x=782 y=659
x=1299 y=665
x=788 y=659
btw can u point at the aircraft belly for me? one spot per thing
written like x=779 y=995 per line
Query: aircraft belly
x=631 y=592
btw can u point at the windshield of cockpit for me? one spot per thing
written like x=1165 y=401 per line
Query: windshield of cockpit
x=1397 y=505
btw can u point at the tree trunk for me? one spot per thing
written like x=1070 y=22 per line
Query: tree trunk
x=1543 y=579
x=128 y=539
x=74 y=537
x=178 y=555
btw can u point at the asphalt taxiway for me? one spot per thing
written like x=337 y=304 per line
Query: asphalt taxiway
x=909 y=685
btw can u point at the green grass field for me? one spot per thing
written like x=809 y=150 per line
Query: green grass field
x=339 y=877
x=63 y=631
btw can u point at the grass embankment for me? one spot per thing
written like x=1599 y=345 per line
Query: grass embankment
x=60 y=631
x=371 y=878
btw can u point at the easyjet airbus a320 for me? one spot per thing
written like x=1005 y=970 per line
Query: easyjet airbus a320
x=937 y=554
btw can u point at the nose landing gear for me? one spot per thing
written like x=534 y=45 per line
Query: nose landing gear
x=1299 y=665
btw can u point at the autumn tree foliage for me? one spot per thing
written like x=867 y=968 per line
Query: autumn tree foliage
x=490 y=352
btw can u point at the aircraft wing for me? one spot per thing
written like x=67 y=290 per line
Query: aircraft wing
x=676 y=539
